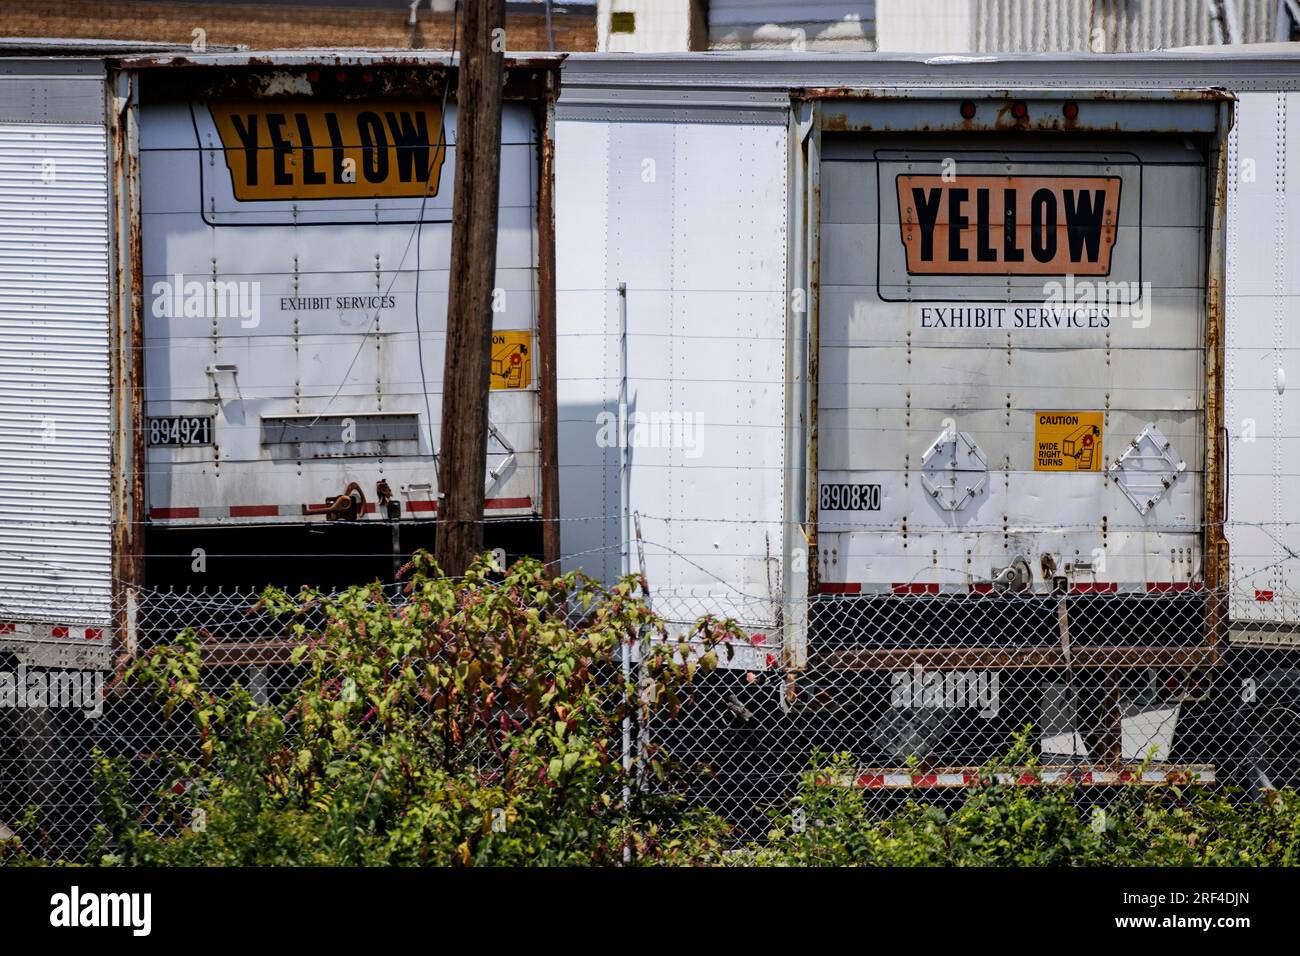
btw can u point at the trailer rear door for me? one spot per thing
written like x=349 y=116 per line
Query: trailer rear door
x=1013 y=319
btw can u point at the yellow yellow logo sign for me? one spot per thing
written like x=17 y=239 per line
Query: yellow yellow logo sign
x=1067 y=441
x=309 y=150
x=512 y=360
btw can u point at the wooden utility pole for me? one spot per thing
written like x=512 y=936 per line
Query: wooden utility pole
x=462 y=465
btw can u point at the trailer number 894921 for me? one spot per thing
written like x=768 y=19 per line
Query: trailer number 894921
x=181 y=430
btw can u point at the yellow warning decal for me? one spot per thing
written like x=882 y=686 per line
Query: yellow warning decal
x=277 y=150
x=512 y=359
x=1067 y=441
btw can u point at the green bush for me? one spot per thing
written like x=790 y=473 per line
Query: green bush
x=1028 y=824
x=480 y=722
x=470 y=724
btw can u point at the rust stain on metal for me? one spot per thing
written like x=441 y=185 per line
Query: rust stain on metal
x=126 y=362
x=338 y=77
x=548 y=439
x=1215 y=540
x=813 y=215
x=837 y=122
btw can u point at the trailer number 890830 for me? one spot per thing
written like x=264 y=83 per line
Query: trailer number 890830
x=847 y=497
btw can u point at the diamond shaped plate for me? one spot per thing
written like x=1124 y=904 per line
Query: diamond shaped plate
x=1147 y=469
x=954 y=470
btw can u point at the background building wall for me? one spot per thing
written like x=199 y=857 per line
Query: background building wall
x=825 y=25
x=948 y=26
x=1112 y=26
x=658 y=26
x=904 y=26
x=263 y=24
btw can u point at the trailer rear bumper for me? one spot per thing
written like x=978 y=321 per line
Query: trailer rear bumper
x=1085 y=775
x=1012 y=658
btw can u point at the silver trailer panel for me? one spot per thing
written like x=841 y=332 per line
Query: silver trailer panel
x=334 y=318
x=55 y=503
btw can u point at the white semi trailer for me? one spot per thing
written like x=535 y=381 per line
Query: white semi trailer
x=948 y=365
x=985 y=363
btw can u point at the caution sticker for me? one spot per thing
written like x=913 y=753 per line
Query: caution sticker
x=512 y=359
x=1067 y=441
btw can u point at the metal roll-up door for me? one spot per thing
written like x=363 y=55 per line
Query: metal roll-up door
x=55 y=508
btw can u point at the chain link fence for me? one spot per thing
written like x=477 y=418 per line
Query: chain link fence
x=921 y=690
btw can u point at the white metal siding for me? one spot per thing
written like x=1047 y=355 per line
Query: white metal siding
x=661 y=25
x=691 y=216
x=1263 y=350
x=55 y=507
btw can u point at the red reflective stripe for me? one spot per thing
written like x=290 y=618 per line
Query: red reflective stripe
x=254 y=511
x=508 y=503
x=983 y=588
x=1095 y=587
x=8 y=628
x=489 y=505
x=871 y=781
x=58 y=632
x=274 y=511
x=839 y=587
x=94 y=633
x=163 y=513
x=1263 y=595
x=931 y=588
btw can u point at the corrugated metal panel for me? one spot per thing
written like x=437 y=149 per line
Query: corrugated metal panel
x=55 y=509
x=1110 y=26
x=36 y=91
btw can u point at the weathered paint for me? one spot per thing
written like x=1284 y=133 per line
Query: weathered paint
x=299 y=250
x=548 y=402
x=1012 y=352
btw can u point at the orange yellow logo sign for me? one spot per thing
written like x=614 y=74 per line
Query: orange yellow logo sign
x=1008 y=225
x=279 y=150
